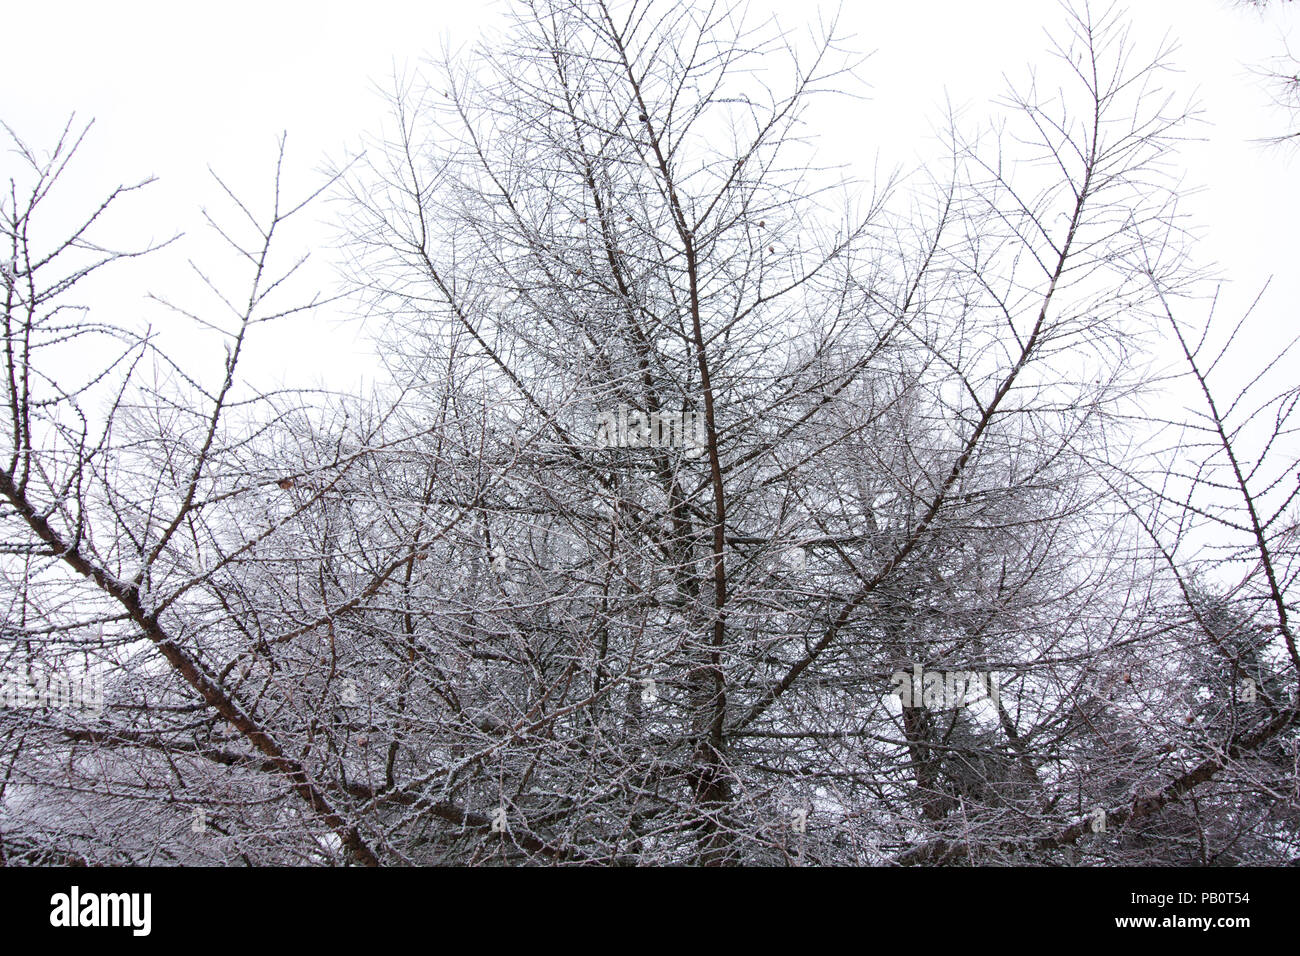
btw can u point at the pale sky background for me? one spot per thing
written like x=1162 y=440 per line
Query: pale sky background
x=176 y=87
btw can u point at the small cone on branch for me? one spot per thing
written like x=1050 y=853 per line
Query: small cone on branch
x=285 y=484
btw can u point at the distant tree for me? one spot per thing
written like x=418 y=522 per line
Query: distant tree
x=1283 y=75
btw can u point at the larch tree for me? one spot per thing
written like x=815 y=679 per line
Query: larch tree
x=719 y=508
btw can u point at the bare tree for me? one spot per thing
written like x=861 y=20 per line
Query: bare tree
x=119 y=486
x=901 y=418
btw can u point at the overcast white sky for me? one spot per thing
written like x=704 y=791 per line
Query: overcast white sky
x=174 y=87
